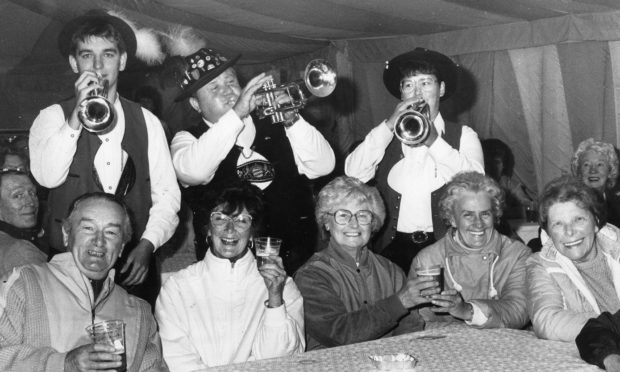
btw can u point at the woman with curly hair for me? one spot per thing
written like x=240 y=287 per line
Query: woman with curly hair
x=351 y=294
x=484 y=271
x=595 y=163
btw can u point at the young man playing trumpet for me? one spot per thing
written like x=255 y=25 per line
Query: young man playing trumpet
x=129 y=159
x=228 y=145
x=411 y=176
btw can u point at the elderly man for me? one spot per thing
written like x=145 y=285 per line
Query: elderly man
x=228 y=145
x=411 y=173
x=130 y=159
x=44 y=309
x=18 y=219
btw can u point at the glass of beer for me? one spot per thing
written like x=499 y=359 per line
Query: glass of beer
x=110 y=332
x=267 y=247
x=435 y=271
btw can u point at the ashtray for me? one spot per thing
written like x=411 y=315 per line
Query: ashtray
x=394 y=362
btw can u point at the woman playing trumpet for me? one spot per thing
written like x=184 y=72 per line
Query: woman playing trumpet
x=410 y=177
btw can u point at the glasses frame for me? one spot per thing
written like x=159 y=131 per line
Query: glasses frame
x=417 y=84
x=229 y=219
x=351 y=214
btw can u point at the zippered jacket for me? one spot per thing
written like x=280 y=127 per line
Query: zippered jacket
x=559 y=300
x=491 y=278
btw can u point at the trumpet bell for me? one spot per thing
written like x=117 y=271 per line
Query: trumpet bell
x=96 y=114
x=320 y=78
x=413 y=127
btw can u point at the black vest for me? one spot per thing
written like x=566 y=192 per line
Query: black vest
x=288 y=198
x=81 y=178
x=393 y=154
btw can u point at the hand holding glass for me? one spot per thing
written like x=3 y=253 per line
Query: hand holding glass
x=110 y=332
x=267 y=247
x=434 y=271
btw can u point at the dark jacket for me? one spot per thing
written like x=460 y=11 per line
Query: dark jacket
x=345 y=303
x=599 y=338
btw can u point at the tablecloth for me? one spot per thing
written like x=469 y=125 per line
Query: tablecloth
x=445 y=347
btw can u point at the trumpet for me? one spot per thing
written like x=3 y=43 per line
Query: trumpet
x=319 y=81
x=96 y=113
x=414 y=126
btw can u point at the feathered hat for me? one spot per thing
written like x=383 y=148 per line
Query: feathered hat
x=141 y=43
x=191 y=63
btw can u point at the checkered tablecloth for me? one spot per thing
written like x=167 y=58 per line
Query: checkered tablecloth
x=444 y=347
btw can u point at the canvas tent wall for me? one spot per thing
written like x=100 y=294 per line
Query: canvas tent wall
x=541 y=86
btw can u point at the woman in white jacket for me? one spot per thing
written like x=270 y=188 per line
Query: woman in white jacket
x=224 y=309
x=576 y=275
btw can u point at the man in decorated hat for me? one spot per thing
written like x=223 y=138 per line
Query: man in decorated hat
x=412 y=173
x=130 y=158
x=228 y=144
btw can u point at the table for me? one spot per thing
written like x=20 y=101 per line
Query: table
x=445 y=347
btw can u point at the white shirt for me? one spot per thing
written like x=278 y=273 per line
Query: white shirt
x=53 y=144
x=421 y=171
x=196 y=159
x=213 y=313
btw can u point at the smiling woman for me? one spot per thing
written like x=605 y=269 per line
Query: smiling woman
x=350 y=294
x=484 y=271
x=238 y=311
x=595 y=163
x=573 y=277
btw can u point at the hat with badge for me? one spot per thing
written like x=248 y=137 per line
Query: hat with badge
x=190 y=62
x=200 y=68
x=446 y=69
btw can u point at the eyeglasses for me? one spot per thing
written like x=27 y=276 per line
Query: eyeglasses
x=241 y=222
x=408 y=86
x=343 y=216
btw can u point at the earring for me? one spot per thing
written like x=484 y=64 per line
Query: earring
x=251 y=244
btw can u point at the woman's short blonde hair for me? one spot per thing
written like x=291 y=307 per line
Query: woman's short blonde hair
x=343 y=189
x=603 y=148
x=472 y=182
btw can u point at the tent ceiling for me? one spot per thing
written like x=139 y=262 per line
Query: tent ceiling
x=268 y=30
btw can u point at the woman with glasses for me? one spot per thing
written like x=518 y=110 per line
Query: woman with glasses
x=350 y=294
x=483 y=270
x=224 y=309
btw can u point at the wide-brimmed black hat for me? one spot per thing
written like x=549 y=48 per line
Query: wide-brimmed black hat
x=200 y=68
x=126 y=32
x=446 y=68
